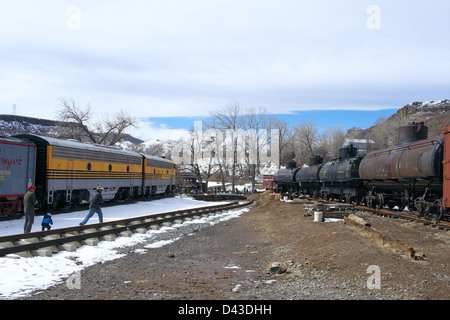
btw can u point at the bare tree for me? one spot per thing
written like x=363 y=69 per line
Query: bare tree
x=306 y=141
x=76 y=119
x=287 y=135
x=331 y=140
x=245 y=147
x=156 y=149
x=229 y=119
x=198 y=155
x=385 y=133
x=80 y=126
x=258 y=123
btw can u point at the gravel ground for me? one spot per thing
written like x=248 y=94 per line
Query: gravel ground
x=232 y=260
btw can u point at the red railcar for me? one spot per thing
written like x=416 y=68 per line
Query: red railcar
x=17 y=171
x=268 y=183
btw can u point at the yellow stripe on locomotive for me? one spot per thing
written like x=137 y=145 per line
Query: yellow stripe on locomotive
x=63 y=163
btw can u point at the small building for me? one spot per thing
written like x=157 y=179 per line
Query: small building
x=363 y=145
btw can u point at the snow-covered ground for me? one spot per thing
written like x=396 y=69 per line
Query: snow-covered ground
x=21 y=276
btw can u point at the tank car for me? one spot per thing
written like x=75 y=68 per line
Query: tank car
x=159 y=176
x=340 y=177
x=308 y=177
x=17 y=158
x=68 y=171
x=409 y=174
x=285 y=178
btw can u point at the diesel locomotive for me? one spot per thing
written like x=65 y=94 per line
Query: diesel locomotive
x=413 y=174
x=67 y=172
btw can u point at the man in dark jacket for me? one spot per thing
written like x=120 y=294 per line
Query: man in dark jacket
x=97 y=199
x=29 y=201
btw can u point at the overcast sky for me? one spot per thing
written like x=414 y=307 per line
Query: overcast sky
x=189 y=57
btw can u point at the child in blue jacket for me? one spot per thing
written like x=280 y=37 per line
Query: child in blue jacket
x=47 y=221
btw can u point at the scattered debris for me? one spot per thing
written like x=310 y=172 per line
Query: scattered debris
x=290 y=263
x=277 y=270
x=359 y=220
x=383 y=240
x=236 y=289
x=419 y=256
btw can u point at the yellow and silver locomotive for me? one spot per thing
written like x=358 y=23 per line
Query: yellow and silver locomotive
x=68 y=172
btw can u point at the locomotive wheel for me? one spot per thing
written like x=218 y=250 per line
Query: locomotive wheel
x=379 y=202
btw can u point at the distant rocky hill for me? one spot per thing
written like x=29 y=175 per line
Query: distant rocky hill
x=435 y=115
x=13 y=124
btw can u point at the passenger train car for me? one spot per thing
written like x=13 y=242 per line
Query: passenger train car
x=67 y=172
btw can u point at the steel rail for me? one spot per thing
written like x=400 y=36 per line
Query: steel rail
x=440 y=224
x=412 y=215
x=15 y=243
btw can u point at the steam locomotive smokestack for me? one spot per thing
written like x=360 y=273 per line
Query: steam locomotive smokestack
x=412 y=132
x=315 y=160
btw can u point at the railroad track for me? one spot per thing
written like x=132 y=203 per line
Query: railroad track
x=45 y=243
x=218 y=197
x=442 y=225
x=411 y=216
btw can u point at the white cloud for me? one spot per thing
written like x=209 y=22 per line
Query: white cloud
x=187 y=58
x=149 y=131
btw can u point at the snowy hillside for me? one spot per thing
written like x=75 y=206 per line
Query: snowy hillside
x=11 y=125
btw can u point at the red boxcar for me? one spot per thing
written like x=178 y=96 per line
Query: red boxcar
x=268 y=183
